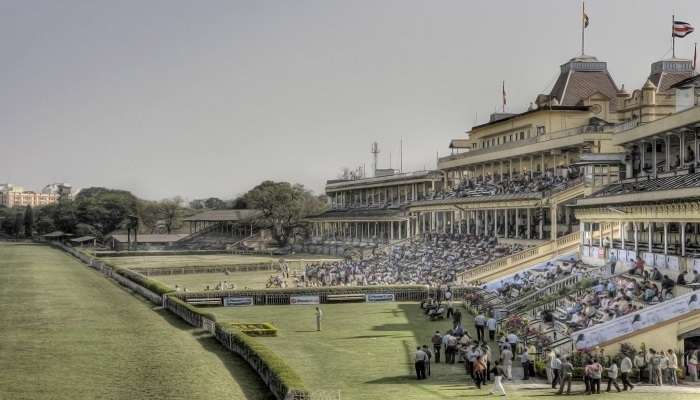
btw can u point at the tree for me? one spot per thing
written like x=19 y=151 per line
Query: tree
x=105 y=209
x=283 y=207
x=238 y=203
x=170 y=211
x=28 y=221
x=214 y=203
x=19 y=218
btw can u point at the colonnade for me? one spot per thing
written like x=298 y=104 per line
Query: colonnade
x=362 y=231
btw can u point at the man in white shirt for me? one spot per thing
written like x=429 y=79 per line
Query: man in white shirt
x=555 y=365
x=512 y=339
x=672 y=367
x=479 y=323
x=507 y=362
x=625 y=370
x=491 y=325
x=420 y=360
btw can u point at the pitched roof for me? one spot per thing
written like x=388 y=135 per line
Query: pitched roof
x=666 y=73
x=158 y=238
x=83 y=239
x=224 y=215
x=581 y=78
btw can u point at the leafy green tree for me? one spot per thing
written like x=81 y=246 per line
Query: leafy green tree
x=19 y=219
x=105 y=209
x=283 y=207
x=28 y=221
x=214 y=203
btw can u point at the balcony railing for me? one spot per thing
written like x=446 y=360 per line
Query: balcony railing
x=537 y=139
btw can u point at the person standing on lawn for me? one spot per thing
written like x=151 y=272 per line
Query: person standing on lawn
x=525 y=362
x=319 y=317
x=436 y=340
x=567 y=374
x=507 y=361
x=420 y=359
x=427 y=351
x=612 y=376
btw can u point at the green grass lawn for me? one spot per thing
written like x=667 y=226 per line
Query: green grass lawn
x=67 y=332
x=364 y=352
x=251 y=279
x=205 y=259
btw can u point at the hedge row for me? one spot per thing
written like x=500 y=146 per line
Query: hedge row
x=150 y=284
x=158 y=253
x=278 y=375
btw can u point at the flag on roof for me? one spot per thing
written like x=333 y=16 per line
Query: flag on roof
x=585 y=20
x=681 y=29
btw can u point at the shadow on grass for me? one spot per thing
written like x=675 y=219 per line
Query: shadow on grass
x=241 y=372
x=373 y=337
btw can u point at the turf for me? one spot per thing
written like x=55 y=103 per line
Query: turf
x=194 y=282
x=67 y=332
x=207 y=259
x=364 y=352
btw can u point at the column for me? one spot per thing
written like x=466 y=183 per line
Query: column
x=667 y=147
x=517 y=230
x=505 y=223
x=642 y=157
x=649 y=235
x=529 y=222
x=495 y=223
x=391 y=230
x=653 y=157
x=682 y=227
x=665 y=237
x=541 y=221
x=635 y=226
x=622 y=227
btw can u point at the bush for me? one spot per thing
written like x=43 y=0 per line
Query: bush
x=261 y=329
x=189 y=307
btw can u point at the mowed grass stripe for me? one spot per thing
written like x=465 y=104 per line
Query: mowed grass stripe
x=69 y=333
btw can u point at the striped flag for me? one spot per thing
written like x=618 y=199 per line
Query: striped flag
x=681 y=29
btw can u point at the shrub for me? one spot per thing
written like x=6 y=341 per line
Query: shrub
x=150 y=284
x=190 y=308
x=261 y=329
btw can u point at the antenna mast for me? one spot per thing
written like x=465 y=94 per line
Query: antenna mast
x=375 y=156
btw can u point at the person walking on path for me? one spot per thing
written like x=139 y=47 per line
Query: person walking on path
x=456 y=319
x=507 y=361
x=567 y=374
x=548 y=365
x=556 y=367
x=479 y=324
x=491 y=325
x=420 y=358
x=525 y=362
x=612 y=376
x=625 y=370
x=319 y=317
x=497 y=372
x=479 y=369
x=436 y=340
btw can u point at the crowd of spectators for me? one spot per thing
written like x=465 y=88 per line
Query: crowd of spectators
x=434 y=259
x=535 y=279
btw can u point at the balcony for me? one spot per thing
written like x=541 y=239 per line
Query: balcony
x=566 y=133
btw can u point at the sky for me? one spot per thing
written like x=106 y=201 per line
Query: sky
x=209 y=98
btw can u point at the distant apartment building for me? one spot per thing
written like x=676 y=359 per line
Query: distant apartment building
x=15 y=196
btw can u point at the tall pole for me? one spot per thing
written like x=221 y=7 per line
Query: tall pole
x=583 y=26
x=401 y=156
x=673 y=37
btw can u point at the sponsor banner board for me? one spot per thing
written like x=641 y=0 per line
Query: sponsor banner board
x=238 y=301
x=377 y=297
x=301 y=300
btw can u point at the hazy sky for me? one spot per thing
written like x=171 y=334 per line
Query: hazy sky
x=200 y=98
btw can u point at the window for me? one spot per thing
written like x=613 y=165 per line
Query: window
x=522 y=135
x=541 y=130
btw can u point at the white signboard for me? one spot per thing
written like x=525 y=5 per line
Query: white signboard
x=648 y=259
x=672 y=262
x=302 y=300
x=660 y=260
x=378 y=297
x=605 y=332
x=238 y=301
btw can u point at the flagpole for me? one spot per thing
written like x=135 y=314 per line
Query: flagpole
x=673 y=37
x=583 y=26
